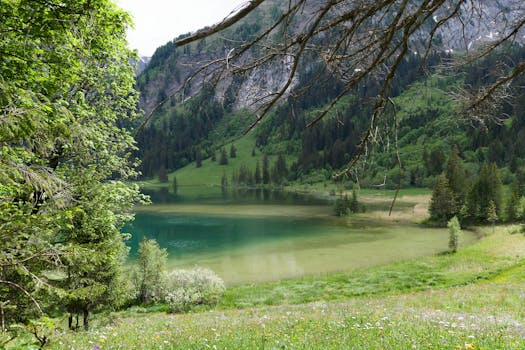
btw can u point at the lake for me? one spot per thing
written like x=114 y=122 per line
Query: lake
x=259 y=237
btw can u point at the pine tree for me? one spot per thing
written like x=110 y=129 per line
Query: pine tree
x=174 y=185
x=163 y=175
x=456 y=176
x=224 y=181
x=354 y=203
x=233 y=151
x=198 y=158
x=485 y=189
x=513 y=203
x=266 y=170
x=257 y=175
x=442 y=204
x=224 y=158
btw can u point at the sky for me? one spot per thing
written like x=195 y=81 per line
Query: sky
x=159 y=21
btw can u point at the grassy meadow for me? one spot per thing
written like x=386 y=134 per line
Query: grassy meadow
x=469 y=300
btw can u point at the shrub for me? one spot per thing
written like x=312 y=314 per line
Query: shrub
x=197 y=286
x=454 y=230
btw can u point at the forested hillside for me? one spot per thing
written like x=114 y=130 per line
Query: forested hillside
x=429 y=118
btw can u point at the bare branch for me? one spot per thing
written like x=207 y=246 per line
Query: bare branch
x=226 y=23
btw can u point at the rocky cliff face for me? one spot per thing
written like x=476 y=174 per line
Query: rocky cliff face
x=170 y=67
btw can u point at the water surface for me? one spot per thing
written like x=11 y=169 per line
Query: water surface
x=248 y=240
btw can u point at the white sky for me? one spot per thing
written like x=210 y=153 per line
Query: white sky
x=159 y=21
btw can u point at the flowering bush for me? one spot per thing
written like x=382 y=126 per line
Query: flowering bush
x=197 y=286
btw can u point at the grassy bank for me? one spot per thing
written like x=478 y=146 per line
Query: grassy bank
x=469 y=300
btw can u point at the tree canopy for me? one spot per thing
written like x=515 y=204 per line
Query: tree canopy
x=66 y=91
x=362 y=41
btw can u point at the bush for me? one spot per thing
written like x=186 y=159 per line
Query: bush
x=197 y=286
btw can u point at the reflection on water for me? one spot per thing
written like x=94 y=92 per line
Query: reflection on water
x=214 y=195
x=274 y=245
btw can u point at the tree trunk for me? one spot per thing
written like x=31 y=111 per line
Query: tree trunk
x=70 y=321
x=86 y=319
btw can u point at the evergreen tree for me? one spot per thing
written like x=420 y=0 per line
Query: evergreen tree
x=224 y=181
x=513 y=204
x=442 y=204
x=224 y=158
x=279 y=171
x=354 y=204
x=456 y=176
x=342 y=206
x=485 y=189
x=175 y=187
x=233 y=151
x=163 y=175
x=66 y=89
x=257 y=175
x=266 y=170
x=198 y=158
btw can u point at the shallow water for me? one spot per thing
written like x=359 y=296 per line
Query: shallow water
x=249 y=240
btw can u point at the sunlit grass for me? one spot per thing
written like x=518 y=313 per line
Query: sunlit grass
x=469 y=300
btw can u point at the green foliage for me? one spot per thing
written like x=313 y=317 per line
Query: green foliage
x=150 y=271
x=344 y=206
x=233 y=151
x=454 y=232
x=512 y=209
x=224 y=158
x=66 y=90
x=198 y=286
x=174 y=185
x=443 y=202
x=486 y=189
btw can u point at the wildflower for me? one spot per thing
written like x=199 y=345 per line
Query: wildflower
x=469 y=346
x=102 y=340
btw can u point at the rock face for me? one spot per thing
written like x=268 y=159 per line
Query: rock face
x=142 y=64
x=170 y=67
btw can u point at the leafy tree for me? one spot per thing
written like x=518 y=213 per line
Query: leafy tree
x=151 y=268
x=454 y=230
x=65 y=92
x=442 y=204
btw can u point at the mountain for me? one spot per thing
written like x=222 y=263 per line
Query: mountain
x=142 y=64
x=179 y=133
